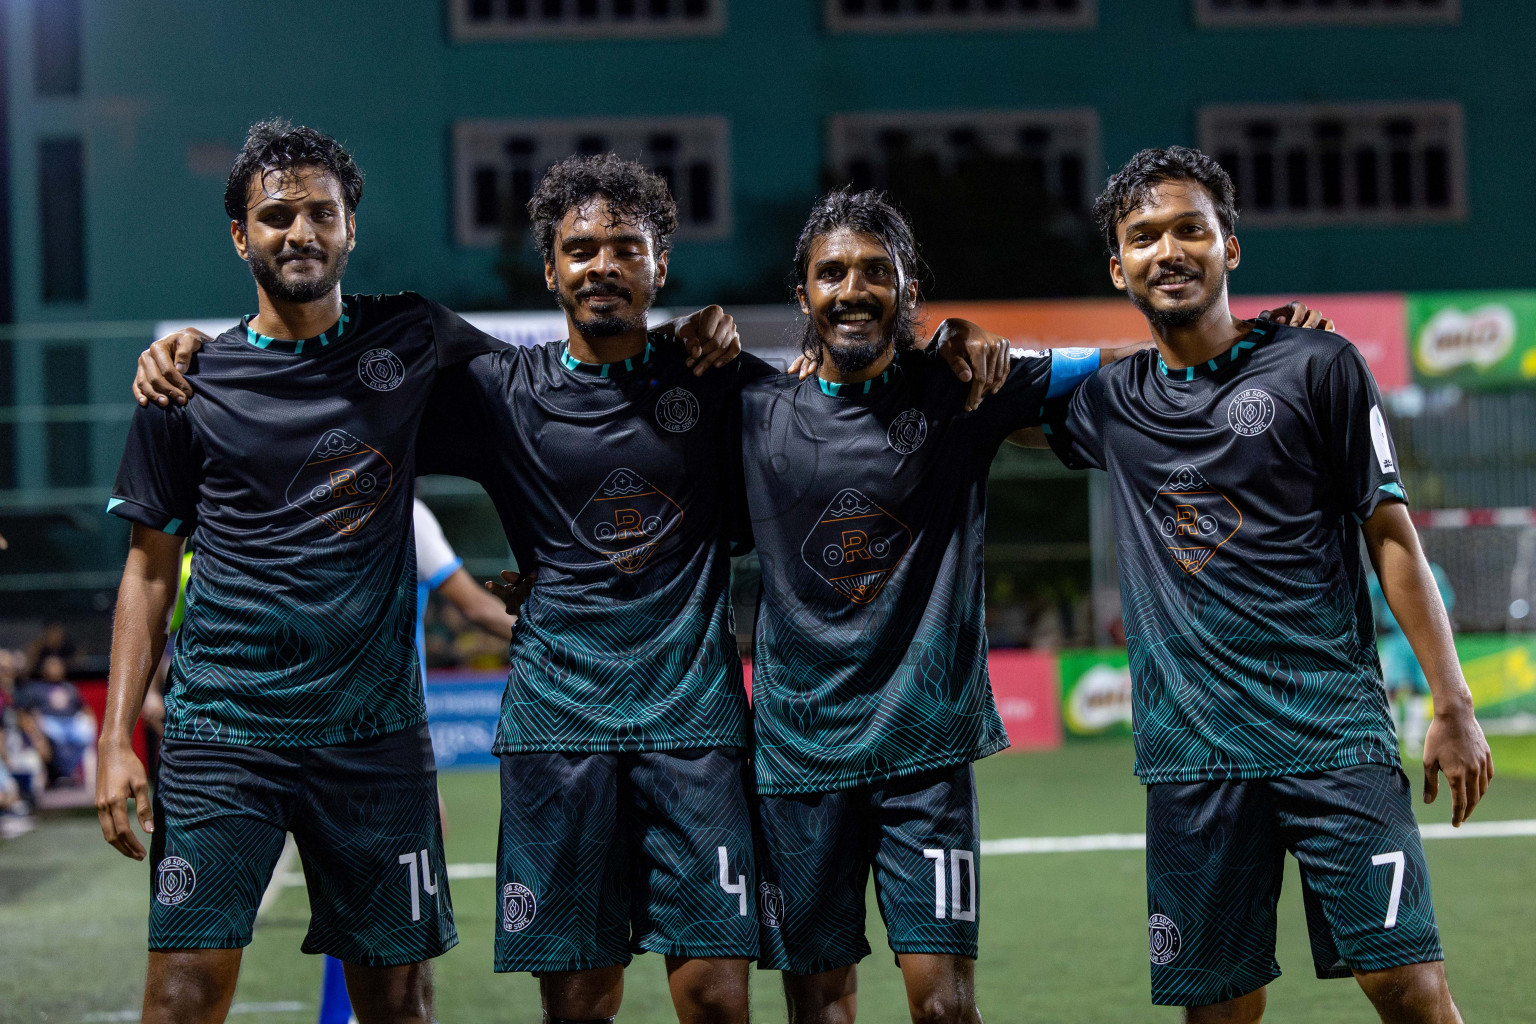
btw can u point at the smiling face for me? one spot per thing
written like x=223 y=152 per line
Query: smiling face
x=604 y=271
x=297 y=233
x=1173 y=256
x=854 y=295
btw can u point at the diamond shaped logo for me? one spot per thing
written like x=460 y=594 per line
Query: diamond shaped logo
x=342 y=482
x=626 y=519
x=1193 y=518
x=856 y=546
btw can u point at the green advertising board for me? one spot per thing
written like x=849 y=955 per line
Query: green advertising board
x=1096 y=693
x=1501 y=673
x=1473 y=339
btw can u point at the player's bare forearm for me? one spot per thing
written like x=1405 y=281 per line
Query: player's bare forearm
x=478 y=605
x=144 y=600
x=1109 y=355
x=1029 y=437
x=1455 y=744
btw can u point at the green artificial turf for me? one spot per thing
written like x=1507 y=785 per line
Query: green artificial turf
x=1063 y=935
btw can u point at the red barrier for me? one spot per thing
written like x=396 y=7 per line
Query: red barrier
x=94 y=693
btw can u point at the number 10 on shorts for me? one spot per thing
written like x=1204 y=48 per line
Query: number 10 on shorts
x=961 y=908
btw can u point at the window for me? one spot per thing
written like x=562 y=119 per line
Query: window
x=531 y=19
x=66 y=368
x=1324 y=12
x=497 y=165
x=1351 y=162
x=61 y=178
x=56 y=47
x=1058 y=149
x=920 y=15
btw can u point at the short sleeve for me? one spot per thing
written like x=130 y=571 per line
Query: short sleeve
x=455 y=339
x=454 y=425
x=157 y=481
x=1034 y=377
x=1074 y=425
x=1358 y=443
x=435 y=560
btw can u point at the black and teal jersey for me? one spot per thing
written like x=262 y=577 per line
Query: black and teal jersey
x=1238 y=487
x=292 y=471
x=611 y=480
x=867 y=505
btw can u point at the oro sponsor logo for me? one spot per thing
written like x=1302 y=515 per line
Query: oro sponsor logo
x=1479 y=337
x=770 y=900
x=380 y=369
x=174 y=881
x=1165 y=941
x=908 y=432
x=518 y=907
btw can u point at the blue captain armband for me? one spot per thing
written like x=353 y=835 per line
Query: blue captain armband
x=1069 y=368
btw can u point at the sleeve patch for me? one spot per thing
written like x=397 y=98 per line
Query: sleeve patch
x=1069 y=368
x=1380 y=442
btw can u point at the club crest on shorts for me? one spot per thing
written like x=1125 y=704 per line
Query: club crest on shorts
x=677 y=410
x=908 y=432
x=856 y=546
x=380 y=369
x=1251 y=412
x=174 y=881
x=1165 y=939
x=771 y=901
x=517 y=907
x=1193 y=518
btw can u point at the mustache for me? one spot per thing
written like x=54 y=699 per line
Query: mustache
x=312 y=252
x=874 y=309
x=1193 y=272
x=604 y=290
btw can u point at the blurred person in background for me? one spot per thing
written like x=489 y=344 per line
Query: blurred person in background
x=53 y=641
x=60 y=725
x=1401 y=672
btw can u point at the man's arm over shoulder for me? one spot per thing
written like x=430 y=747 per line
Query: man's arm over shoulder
x=456 y=339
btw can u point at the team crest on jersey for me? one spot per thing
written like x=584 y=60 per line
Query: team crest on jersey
x=771 y=902
x=174 y=881
x=1193 y=518
x=856 y=546
x=518 y=907
x=908 y=432
x=380 y=369
x=342 y=482
x=1165 y=939
x=677 y=410
x=626 y=519
x=1251 y=412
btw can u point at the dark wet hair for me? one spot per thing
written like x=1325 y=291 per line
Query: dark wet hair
x=871 y=213
x=635 y=194
x=275 y=145
x=1131 y=187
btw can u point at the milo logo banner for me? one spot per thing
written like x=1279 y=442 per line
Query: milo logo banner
x=1096 y=693
x=1473 y=339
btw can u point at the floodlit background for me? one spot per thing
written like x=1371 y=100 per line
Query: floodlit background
x=1382 y=153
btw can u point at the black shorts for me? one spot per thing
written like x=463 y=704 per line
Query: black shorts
x=606 y=855
x=1216 y=856
x=364 y=817
x=920 y=833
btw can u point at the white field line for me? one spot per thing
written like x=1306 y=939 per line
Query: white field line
x=1061 y=844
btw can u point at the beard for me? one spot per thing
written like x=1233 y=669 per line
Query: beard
x=851 y=358
x=607 y=325
x=1173 y=319
x=269 y=278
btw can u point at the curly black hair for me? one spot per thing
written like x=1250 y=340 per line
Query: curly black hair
x=874 y=213
x=635 y=194
x=1132 y=185
x=275 y=145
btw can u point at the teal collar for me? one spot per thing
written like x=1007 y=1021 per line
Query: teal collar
x=314 y=344
x=570 y=362
x=1261 y=332
x=866 y=387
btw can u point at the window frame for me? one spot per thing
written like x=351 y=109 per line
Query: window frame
x=463 y=29
x=1240 y=17
x=1385 y=214
x=467 y=234
x=838 y=23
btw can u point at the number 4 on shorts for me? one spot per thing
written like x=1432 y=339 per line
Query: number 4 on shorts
x=737 y=888
x=1395 y=858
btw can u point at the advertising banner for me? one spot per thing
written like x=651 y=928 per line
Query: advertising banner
x=1027 y=688
x=1501 y=673
x=1377 y=325
x=462 y=712
x=1096 y=693
x=1473 y=339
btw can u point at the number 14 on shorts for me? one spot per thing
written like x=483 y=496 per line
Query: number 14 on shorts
x=962 y=883
x=427 y=881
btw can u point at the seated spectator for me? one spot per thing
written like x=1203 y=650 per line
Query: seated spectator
x=58 y=723
x=53 y=642
x=17 y=746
